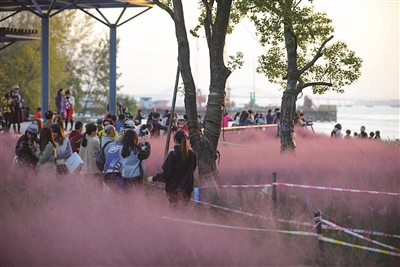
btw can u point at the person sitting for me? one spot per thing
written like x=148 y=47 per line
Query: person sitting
x=38 y=114
x=25 y=157
x=58 y=119
x=371 y=135
x=49 y=115
x=46 y=153
x=246 y=121
x=348 y=136
x=259 y=120
x=75 y=136
x=102 y=133
x=119 y=124
x=377 y=135
x=63 y=148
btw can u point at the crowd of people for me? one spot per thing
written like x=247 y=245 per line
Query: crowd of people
x=45 y=148
x=337 y=133
x=12 y=110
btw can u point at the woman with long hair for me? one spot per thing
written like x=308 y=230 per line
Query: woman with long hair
x=38 y=123
x=131 y=156
x=63 y=148
x=46 y=153
x=88 y=149
x=178 y=171
x=61 y=103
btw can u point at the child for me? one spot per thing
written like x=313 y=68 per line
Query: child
x=178 y=171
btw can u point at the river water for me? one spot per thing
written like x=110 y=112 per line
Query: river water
x=385 y=119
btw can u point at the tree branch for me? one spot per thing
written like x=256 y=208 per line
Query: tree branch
x=316 y=57
x=165 y=7
x=301 y=87
x=207 y=20
x=296 y=4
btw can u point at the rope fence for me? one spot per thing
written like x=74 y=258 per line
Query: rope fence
x=319 y=222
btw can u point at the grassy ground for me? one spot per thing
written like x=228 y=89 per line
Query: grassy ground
x=70 y=221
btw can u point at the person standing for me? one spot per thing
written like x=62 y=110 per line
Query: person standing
x=131 y=157
x=61 y=102
x=269 y=116
x=274 y=117
x=226 y=119
x=156 y=125
x=8 y=109
x=18 y=116
x=236 y=119
x=70 y=108
x=362 y=134
x=377 y=135
x=336 y=132
x=151 y=115
x=178 y=171
x=139 y=117
x=89 y=147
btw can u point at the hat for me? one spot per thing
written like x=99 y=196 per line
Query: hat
x=32 y=128
x=129 y=124
x=181 y=118
x=15 y=87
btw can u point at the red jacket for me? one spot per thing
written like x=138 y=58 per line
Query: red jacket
x=73 y=137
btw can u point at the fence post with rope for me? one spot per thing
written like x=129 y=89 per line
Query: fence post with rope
x=274 y=190
x=318 y=228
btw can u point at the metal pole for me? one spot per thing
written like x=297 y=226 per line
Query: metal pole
x=112 y=102
x=274 y=189
x=318 y=227
x=45 y=57
x=171 y=116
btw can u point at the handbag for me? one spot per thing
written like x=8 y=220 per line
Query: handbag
x=74 y=163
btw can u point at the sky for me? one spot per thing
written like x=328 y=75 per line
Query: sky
x=147 y=56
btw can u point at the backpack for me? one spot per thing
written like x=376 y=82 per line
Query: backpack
x=101 y=157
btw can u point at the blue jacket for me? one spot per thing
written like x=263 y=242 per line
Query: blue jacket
x=113 y=163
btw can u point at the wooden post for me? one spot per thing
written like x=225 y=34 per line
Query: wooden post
x=318 y=228
x=171 y=116
x=274 y=189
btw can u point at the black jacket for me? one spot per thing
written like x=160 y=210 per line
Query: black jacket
x=176 y=176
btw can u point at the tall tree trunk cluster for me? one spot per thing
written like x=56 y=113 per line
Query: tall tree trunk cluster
x=205 y=145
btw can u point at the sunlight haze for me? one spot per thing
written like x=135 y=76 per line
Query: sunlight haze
x=147 y=56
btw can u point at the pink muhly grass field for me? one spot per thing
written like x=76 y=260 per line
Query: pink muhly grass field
x=70 y=221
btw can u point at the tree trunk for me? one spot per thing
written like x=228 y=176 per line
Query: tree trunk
x=288 y=105
x=215 y=34
x=205 y=146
